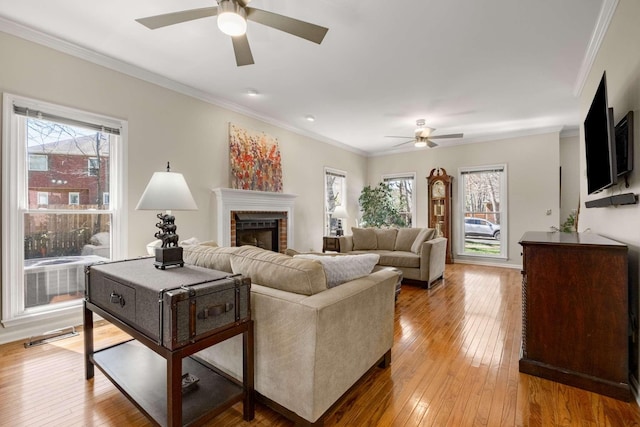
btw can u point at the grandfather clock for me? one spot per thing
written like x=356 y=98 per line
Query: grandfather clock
x=439 y=195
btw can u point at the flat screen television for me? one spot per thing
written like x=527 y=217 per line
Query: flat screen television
x=599 y=139
x=624 y=145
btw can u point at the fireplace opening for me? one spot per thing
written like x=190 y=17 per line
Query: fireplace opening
x=260 y=229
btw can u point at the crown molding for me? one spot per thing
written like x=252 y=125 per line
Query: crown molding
x=36 y=36
x=484 y=138
x=600 y=30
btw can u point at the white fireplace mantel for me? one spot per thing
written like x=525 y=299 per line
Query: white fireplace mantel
x=229 y=200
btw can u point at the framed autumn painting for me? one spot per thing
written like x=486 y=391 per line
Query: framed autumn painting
x=255 y=160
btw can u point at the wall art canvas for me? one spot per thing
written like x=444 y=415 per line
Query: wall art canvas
x=255 y=160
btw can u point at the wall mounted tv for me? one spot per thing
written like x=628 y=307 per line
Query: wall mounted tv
x=624 y=145
x=599 y=139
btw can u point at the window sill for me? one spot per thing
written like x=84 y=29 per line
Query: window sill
x=68 y=310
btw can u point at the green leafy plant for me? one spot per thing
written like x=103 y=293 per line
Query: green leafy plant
x=379 y=207
x=570 y=224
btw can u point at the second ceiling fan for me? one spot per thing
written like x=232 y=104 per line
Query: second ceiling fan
x=423 y=137
x=232 y=20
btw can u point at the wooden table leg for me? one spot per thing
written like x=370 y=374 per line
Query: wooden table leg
x=88 y=341
x=174 y=390
x=248 y=405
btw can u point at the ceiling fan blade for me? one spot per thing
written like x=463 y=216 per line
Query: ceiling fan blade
x=305 y=30
x=451 y=135
x=406 y=142
x=431 y=144
x=396 y=136
x=159 y=21
x=242 y=50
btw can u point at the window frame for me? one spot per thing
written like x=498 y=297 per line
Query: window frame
x=503 y=211
x=77 y=197
x=394 y=176
x=92 y=168
x=15 y=204
x=343 y=202
x=41 y=195
x=40 y=156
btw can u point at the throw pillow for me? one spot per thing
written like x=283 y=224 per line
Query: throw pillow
x=364 y=239
x=342 y=269
x=424 y=235
x=405 y=238
x=386 y=238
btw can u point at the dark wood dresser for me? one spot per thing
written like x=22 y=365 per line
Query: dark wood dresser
x=575 y=311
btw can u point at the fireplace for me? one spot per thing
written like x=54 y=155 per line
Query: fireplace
x=254 y=206
x=266 y=230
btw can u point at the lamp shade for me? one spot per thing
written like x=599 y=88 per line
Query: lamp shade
x=167 y=191
x=231 y=18
x=420 y=143
x=340 y=212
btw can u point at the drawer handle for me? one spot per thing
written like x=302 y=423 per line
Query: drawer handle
x=215 y=310
x=117 y=299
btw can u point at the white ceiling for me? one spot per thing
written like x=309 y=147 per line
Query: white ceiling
x=487 y=68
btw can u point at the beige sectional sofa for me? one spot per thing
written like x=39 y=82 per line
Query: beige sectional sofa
x=416 y=251
x=312 y=343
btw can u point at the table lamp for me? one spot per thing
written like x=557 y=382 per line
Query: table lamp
x=340 y=212
x=167 y=191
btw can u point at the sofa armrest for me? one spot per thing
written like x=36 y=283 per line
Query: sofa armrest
x=432 y=259
x=346 y=243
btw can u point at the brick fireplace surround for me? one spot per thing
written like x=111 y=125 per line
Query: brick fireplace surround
x=230 y=201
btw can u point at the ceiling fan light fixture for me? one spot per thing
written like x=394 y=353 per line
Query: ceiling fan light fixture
x=420 y=143
x=231 y=18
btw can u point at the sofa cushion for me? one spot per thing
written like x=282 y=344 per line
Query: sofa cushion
x=405 y=238
x=279 y=271
x=204 y=255
x=424 y=235
x=386 y=238
x=364 y=239
x=341 y=269
x=399 y=259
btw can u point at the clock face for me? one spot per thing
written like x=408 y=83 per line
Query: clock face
x=438 y=190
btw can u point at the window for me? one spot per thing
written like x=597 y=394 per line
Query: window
x=74 y=198
x=105 y=198
x=38 y=162
x=484 y=216
x=335 y=190
x=93 y=166
x=43 y=198
x=55 y=227
x=402 y=186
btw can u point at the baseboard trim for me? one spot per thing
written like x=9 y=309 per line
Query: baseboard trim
x=487 y=263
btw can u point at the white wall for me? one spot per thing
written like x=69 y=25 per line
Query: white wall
x=165 y=125
x=571 y=178
x=533 y=175
x=620 y=57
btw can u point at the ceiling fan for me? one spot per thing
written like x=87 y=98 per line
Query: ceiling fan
x=232 y=20
x=423 y=137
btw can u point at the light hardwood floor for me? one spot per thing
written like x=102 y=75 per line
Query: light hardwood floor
x=454 y=363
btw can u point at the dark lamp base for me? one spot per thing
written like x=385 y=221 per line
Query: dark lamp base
x=168 y=257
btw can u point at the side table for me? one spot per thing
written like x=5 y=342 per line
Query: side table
x=150 y=375
x=330 y=243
